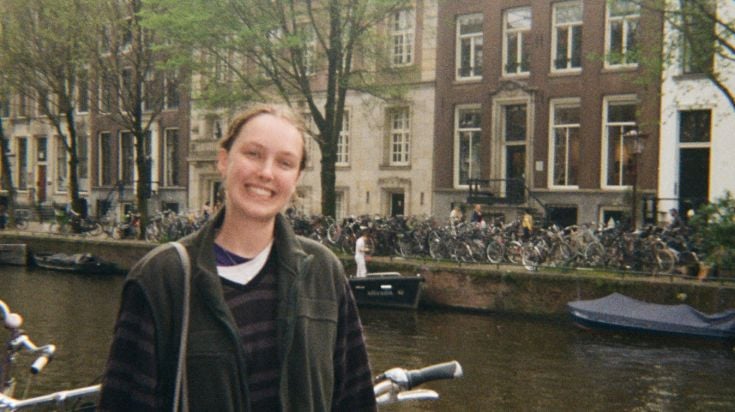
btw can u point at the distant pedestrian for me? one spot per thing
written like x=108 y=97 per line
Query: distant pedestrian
x=455 y=216
x=361 y=252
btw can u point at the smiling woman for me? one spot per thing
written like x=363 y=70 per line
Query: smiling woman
x=263 y=299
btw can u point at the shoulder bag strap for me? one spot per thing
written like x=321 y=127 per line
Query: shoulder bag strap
x=180 y=392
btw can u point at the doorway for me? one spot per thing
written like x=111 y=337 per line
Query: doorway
x=515 y=172
x=693 y=177
x=397 y=204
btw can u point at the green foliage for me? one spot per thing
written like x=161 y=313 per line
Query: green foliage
x=714 y=226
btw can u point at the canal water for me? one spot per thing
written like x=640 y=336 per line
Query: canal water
x=511 y=363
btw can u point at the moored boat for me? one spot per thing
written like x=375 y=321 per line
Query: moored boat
x=623 y=313
x=77 y=262
x=389 y=289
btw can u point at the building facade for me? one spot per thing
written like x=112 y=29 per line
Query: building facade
x=697 y=122
x=546 y=93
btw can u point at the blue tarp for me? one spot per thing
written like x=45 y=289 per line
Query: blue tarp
x=620 y=311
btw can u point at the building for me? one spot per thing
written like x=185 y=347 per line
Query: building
x=697 y=122
x=545 y=94
x=385 y=151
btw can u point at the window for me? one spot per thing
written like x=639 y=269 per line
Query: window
x=467 y=133
x=171 y=158
x=151 y=92
x=107 y=91
x=621 y=46
x=401 y=25
x=4 y=105
x=565 y=141
x=469 y=46
x=22 y=163
x=126 y=172
x=698 y=38
x=22 y=108
x=106 y=177
x=567 y=36
x=83 y=158
x=695 y=126
x=43 y=103
x=82 y=92
x=62 y=165
x=620 y=118
x=516 y=31
x=308 y=50
x=343 y=142
x=400 y=132
x=127 y=88
x=171 y=88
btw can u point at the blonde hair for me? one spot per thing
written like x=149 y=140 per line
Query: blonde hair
x=280 y=111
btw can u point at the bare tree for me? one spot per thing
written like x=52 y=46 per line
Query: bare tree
x=133 y=80
x=305 y=53
x=43 y=53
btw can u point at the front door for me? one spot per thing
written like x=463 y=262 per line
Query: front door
x=41 y=184
x=693 y=178
x=397 y=204
x=515 y=172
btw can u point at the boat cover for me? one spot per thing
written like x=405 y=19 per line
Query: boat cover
x=618 y=310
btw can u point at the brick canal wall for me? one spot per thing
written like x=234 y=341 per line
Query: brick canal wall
x=473 y=287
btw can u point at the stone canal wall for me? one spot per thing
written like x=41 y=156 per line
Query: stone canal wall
x=487 y=288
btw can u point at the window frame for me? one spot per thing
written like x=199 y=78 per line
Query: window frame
x=553 y=127
x=626 y=20
x=458 y=130
x=625 y=126
x=61 y=171
x=343 y=142
x=403 y=28
x=474 y=70
x=104 y=169
x=519 y=44
x=171 y=176
x=399 y=137
x=569 y=67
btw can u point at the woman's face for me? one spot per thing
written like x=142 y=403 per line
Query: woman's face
x=261 y=169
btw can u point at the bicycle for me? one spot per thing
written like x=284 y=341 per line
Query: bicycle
x=17 y=342
x=396 y=384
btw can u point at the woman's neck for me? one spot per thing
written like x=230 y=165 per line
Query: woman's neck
x=245 y=237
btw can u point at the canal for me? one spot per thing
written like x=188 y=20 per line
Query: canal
x=511 y=363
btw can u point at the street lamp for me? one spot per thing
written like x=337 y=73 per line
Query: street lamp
x=636 y=150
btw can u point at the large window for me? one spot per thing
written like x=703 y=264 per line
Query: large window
x=22 y=163
x=4 y=105
x=467 y=134
x=564 y=150
x=106 y=176
x=82 y=92
x=402 y=32
x=343 y=142
x=107 y=93
x=516 y=32
x=126 y=172
x=567 y=36
x=698 y=38
x=83 y=158
x=400 y=135
x=621 y=46
x=469 y=46
x=620 y=118
x=171 y=158
x=62 y=165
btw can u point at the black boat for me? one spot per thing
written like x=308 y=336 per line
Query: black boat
x=389 y=289
x=623 y=313
x=77 y=262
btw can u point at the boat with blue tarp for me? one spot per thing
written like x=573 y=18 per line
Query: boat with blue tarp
x=622 y=313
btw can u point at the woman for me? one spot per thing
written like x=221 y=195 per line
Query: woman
x=273 y=322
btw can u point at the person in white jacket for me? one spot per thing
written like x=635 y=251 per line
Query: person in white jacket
x=361 y=248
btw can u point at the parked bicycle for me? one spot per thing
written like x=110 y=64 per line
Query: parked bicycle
x=18 y=342
x=69 y=221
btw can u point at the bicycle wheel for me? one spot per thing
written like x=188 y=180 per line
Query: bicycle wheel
x=96 y=229
x=665 y=261
x=531 y=257
x=21 y=224
x=333 y=233
x=404 y=246
x=594 y=255
x=513 y=251
x=462 y=252
x=560 y=254
x=436 y=246
x=494 y=252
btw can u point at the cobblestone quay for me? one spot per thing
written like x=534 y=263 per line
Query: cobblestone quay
x=478 y=287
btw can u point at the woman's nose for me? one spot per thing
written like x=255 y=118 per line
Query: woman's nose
x=265 y=171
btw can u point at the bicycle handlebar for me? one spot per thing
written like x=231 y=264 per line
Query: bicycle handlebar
x=394 y=385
